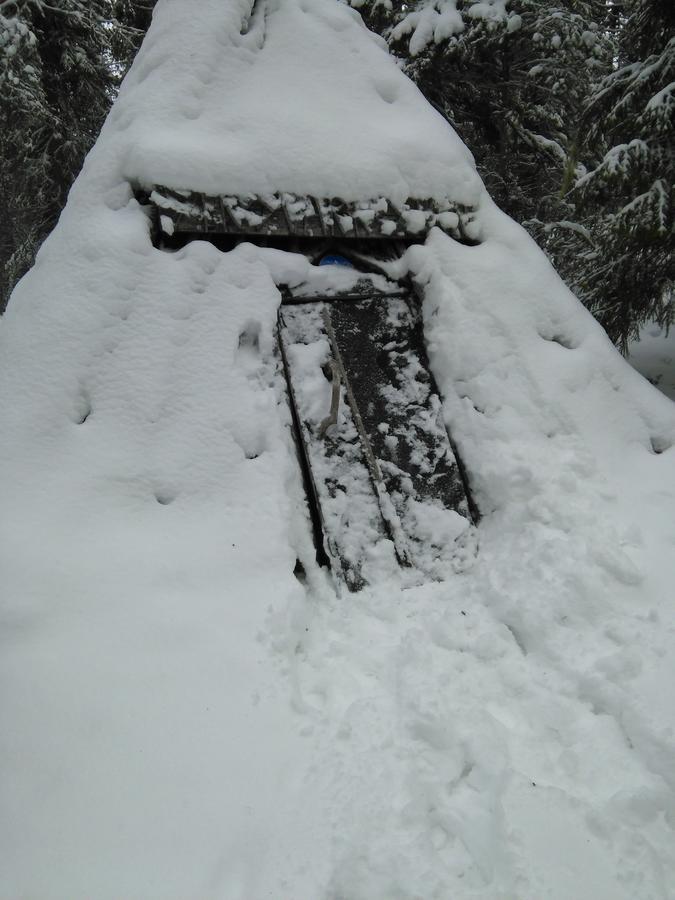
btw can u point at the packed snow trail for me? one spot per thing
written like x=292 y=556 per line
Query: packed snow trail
x=183 y=716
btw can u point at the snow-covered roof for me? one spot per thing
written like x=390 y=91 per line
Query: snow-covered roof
x=295 y=97
x=185 y=717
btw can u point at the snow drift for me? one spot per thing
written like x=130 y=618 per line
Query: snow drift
x=183 y=717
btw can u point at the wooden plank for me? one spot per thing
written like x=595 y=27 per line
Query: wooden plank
x=341 y=486
x=389 y=447
x=194 y=212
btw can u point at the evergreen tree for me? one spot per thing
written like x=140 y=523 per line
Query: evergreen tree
x=511 y=79
x=626 y=270
x=568 y=110
x=60 y=65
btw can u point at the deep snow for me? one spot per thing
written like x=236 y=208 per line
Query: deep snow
x=653 y=355
x=182 y=716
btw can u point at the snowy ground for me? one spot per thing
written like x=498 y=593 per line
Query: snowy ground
x=653 y=356
x=182 y=716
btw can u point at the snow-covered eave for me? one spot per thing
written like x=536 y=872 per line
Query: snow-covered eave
x=285 y=213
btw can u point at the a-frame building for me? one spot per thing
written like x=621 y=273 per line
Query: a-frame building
x=337 y=544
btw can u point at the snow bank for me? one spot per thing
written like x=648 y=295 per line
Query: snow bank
x=653 y=355
x=509 y=733
x=183 y=716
